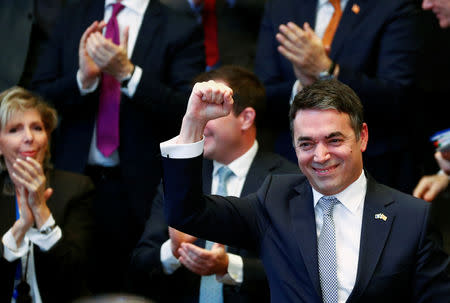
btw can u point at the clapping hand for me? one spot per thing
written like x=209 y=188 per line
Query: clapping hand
x=177 y=237
x=30 y=181
x=204 y=262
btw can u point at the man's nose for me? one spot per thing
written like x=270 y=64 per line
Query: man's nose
x=321 y=153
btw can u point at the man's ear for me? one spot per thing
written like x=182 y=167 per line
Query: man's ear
x=247 y=117
x=364 y=137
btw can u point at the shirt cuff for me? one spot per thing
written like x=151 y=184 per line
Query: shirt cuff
x=45 y=241
x=442 y=172
x=235 y=274
x=133 y=83
x=11 y=252
x=85 y=91
x=168 y=260
x=170 y=149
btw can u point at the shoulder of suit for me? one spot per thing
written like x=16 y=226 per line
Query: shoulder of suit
x=403 y=200
x=178 y=16
x=288 y=179
x=69 y=179
x=280 y=165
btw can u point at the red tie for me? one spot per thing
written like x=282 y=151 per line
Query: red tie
x=108 y=109
x=334 y=22
x=210 y=30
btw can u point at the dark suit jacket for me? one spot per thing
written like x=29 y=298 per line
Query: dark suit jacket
x=399 y=260
x=376 y=50
x=29 y=24
x=237 y=25
x=170 y=52
x=183 y=286
x=60 y=271
x=17 y=17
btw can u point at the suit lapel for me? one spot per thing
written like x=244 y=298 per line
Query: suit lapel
x=95 y=11
x=207 y=176
x=374 y=234
x=305 y=11
x=147 y=33
x=354 y=12
x=303 y=219
x=257 y=172
x=8 y=210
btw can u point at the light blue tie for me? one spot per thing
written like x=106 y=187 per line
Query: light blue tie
x=327 y=252
x=223 y=173
x=210 y=289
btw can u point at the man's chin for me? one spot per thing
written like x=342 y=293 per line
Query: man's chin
x=207 y=154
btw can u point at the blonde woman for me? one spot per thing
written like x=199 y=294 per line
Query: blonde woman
x=45 y=216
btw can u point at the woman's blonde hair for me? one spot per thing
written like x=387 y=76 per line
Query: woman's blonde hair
x=18 y=100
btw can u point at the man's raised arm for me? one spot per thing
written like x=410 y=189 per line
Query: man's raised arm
x=208 y=101
x=182 y=179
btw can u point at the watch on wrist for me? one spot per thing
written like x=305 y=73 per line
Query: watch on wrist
x=328 y=74
x=48 y=229
x=126 y=80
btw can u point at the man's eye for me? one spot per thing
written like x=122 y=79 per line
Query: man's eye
x=334 y=141
x=304 y=145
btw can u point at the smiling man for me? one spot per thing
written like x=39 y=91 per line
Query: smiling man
x=330 y=159
x=336 y=235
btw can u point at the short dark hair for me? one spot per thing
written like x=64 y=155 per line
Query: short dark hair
x=248 y=91
x=330 y=94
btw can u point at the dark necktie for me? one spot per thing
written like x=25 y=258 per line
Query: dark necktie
x=108 y=109
x=210 y=31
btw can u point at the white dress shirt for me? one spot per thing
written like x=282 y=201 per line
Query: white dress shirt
x=235 y=183
x=347 y=217
x=45 y=241
x=131 y=15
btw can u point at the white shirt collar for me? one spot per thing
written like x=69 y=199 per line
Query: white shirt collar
x=351 y=197
x=138 y=6
x=241 y=165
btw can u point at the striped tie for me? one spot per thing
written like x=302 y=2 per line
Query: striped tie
x=327 y=252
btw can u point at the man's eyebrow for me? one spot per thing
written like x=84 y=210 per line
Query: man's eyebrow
x=335 y=134
x=304 y=138
x=332 y=135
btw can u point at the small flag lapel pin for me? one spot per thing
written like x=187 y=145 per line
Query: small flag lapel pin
x=355 y=8
x=380 y=216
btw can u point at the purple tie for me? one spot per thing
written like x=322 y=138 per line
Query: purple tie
x=108 y=108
